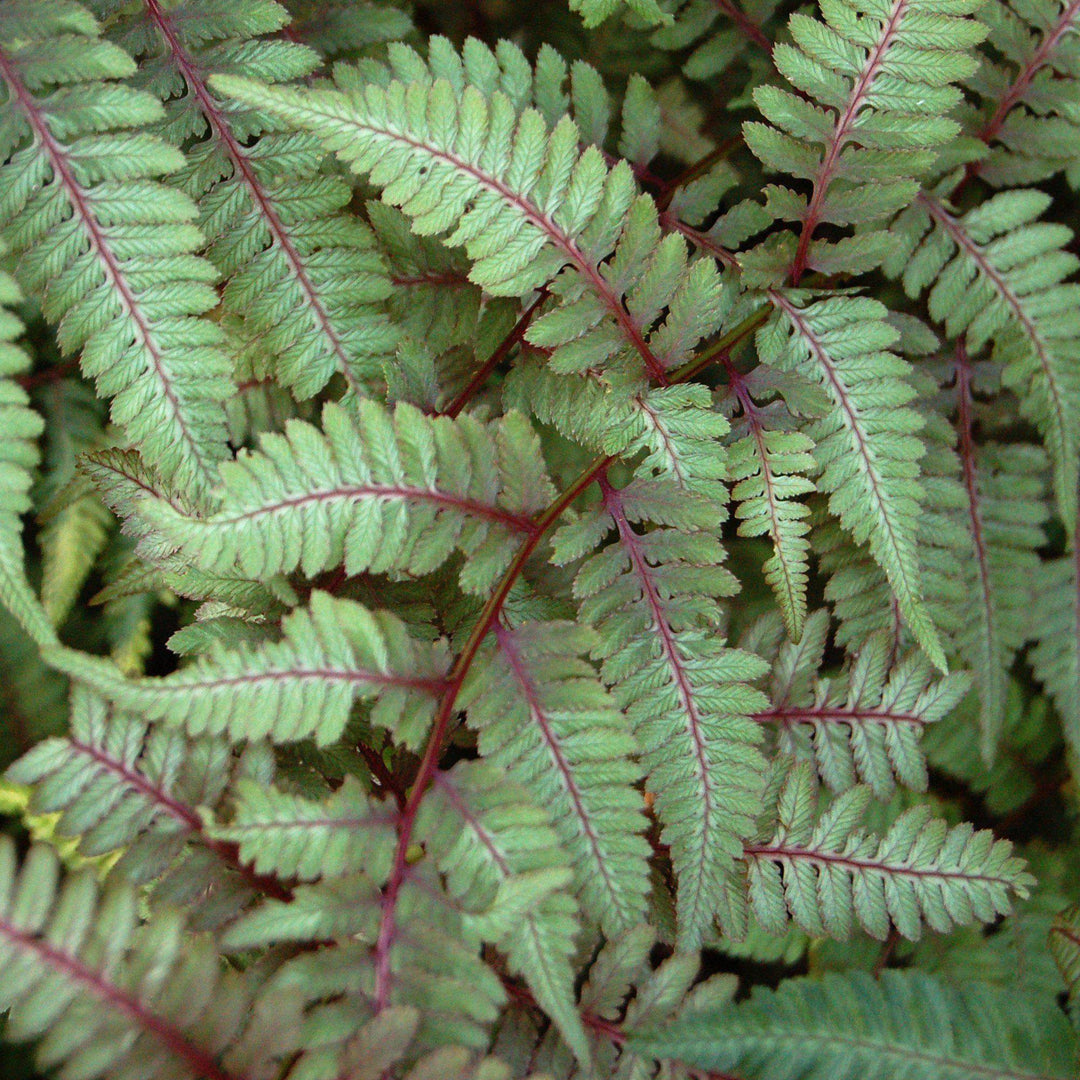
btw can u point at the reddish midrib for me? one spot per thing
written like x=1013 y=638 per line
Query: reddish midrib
x=702 y=240
x=564 y=243
x=778 y=853
x=105 y=254
x=518 y=522
x=354 y=675
x=971 y=484
x=817 y=714
x=508 y=647
x=841 y=134
x=1027 y=73
x=613 y=504
x=960 y=237
x=202 y=1064
x=853 y=424
x=240 y=162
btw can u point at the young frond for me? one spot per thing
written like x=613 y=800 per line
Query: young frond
x=996 y=276
x=301 y=276
x=873 y=83
x=525 y=202
x=158 y=999
x=108 y=245
x=504 y=864
x=826 y=874
x=903 y=1025
x=651 y=596
x=866 y=726
x=768 y=459
x=386 y=492
x=867 y=445
x=332 y=654
x=542 y=714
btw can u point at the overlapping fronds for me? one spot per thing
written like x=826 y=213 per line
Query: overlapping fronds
x=105 y=242
x=1065 y=945
x=866 y=446
x=157 y=998
x=996 y=276
x=389 y=491
x=542 y=714
x=718 y=32
x=905 y=1025
x=525 y=202
x=652 y=598
x=828 y=875
x=302 y=278
x=332 y=654
x=866 y=726
x=873 y=82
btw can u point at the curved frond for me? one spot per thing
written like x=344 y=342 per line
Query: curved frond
x=905 y=1025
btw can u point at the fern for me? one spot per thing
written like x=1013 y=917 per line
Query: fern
x=105 y=241
x=528 y=534
x=906 y=1025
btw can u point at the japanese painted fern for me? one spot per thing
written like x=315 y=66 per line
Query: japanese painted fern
x=520 y=524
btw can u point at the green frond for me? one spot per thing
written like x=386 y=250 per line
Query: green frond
x=19 y=456
x=105 y=242
x=301 y=276
x=594 y=12
x=904 y=1025
x=1065 y=946
x=867 y=446
x=827 y=874
x=336 y=27
x=867 y=725
x=290 y=837
x=718 y=34
x=652 y=598
x=996 y=276
x=503 y=861
x=332 y=654
x=386 y=492
x=873 y=84
x=1056 y=655
x=541 y=713
x=157 y=996
x=1027 y=83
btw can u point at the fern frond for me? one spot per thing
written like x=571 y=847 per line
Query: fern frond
x=158 y=1000
x=108 y=245
x=332 y=654
x=503 y=860
x=594 y=12
x=541 y=714
x=526 y=203
x=904 y=1025
x=718 y=31
x=387 y=492
x=767 y=465
x=288 y=836
x=19 y=455
x=1028 y=85
x=885 y=74
x=867 y=726
x=335 y=27
x=651 y=596
x=1065 y=946
x=867 y=447
x=302 y=277
x=996 y=276
x=1055 y=658
x=826 y=874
